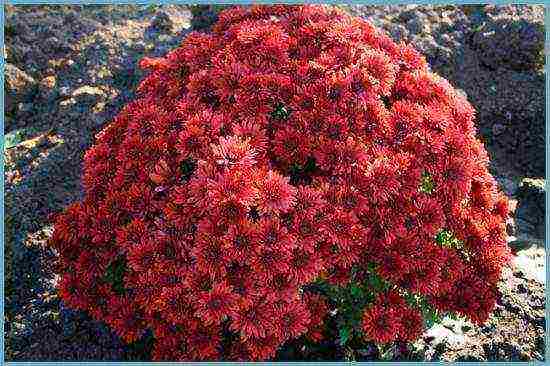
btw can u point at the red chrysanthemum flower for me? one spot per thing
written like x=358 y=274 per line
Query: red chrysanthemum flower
x=234 y=151
x=253 y=322
x=380 y=324
x=293 y=319
x=412 y=324
x=217 y=304
x=275 y=194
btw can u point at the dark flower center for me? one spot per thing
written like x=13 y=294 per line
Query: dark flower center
x=334 y=93
x=215 y=304
x=241 y=241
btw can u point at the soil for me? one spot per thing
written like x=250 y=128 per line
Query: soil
x=69 y=70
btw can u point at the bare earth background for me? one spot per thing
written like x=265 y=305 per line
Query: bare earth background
x=71 y=68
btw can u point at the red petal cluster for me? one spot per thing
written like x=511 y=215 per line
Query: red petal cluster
x=390 y=318
x=291 y=142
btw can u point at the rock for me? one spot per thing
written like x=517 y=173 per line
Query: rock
x=531 y=262
x=88 y=95
x=139 y=46
x=457 y=326
x=65 y=91
x=498 y=129
x=161 y=22
x=398 y=32
x=407 y=15
x=24 y=107
x=521 y=288
x=441 y=334
x=417 y=26
x=46 y=89
x=530 y=213
x=53 y=44
x=508 y=186
x=204 y=16
x=18 y=87
x=518 y=245
x=67 y=63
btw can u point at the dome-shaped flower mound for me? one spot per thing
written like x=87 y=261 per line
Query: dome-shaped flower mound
x=294 y=143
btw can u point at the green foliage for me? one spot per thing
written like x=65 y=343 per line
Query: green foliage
x=309 y=167
x=114 y=275
x=187 y=168
x=345 y=333
x=447 y=239
x=429 y=313
x=427 y=184
x=350 y=302
x=281 y=112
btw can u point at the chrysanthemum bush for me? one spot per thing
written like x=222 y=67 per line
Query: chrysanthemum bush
x=293 y=166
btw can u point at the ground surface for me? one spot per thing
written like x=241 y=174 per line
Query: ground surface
x=71 y=68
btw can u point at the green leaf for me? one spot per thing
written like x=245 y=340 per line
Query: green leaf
x=281 y=112
x=447 y=239
x=431 y=317
x=427 y=184
x=345 y=334
x=376 y=282
x=355 y=290
x=187 y=168
x=114 y=275
x=371 y=267
x=311 y=165
x=387 y=352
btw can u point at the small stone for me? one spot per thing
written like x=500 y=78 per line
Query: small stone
x=49 y=82
x=417 y=26
x=47 y=88
x=498 y=129
x=519 y=274
x=532 y=267
x=24 y=107
x=65 y=104
x=164 y=38
x=161 y=22
x=18 y=87
x=65 y=91
x=521 y=288
x=507 y=185
x=429 y=339
x=530 y=213
x=139 y=46
x=88 y=94
x=462 y=93
x=398 y=32
x=489 y=328
x=53 y=44
x=407 y=15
